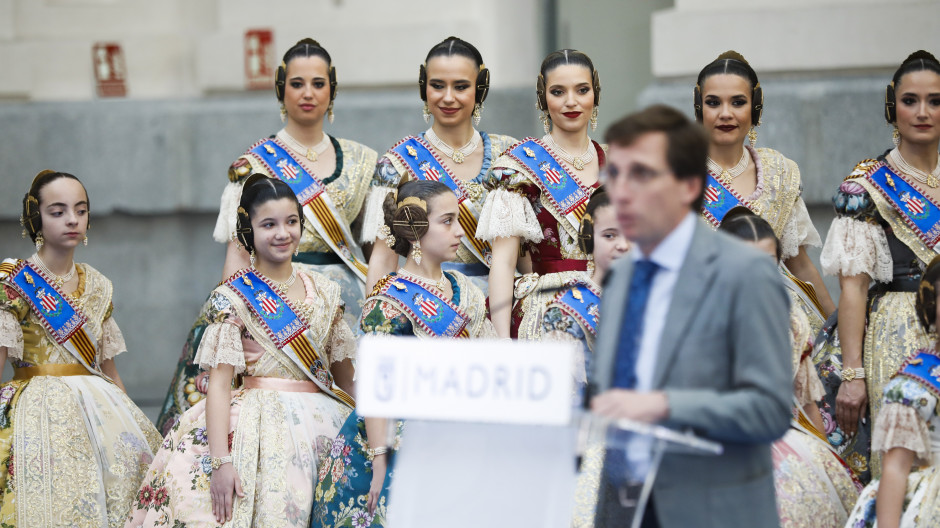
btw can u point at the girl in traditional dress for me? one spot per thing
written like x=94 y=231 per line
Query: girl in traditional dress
x=73 y=446
x=814 y=485
x=249 y=457
x=422 y=300
x=573 y=316
x=453 y=83
x=886 y=231
x=328 y=174
x=539 y=190
x=907 y=432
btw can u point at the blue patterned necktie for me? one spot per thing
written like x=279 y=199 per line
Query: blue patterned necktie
x=632 y=329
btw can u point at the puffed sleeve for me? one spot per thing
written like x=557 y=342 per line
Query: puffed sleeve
x=222 y=339
x=382 y=317
x=903 y=421
x=384 y=181
x=799 y=231
x=807 y=386
x=112 y=340
x=508 y=210
x=13 y=309
x=342 y=344
x=560 y=326
x=856 y=243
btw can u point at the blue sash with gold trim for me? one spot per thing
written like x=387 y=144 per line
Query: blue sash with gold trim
x=285 y=328
x=420 y=160
x=917 y=211
x=583 y=303
x=718 y=200
x=435 y=315
x=319 y=208
x=64 y=324
x=564 y=192
x=923 y=367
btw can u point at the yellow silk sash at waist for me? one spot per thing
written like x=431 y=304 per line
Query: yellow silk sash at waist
x=25 y=373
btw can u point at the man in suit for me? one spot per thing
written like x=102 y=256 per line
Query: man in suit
x=694 y=335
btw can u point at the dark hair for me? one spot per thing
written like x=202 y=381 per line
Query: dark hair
x=742 y=223
x=687 y=147
x=730 y=63
x=926 y=302
x=31 y=218
x=920 y=60
x=586 y=231
x=456 y=46
x=257 y=190
x=304 y=48
x=410 y=220
x=562 y=58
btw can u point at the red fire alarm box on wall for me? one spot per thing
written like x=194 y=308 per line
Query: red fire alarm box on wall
x=110 y=71
x=259 y=59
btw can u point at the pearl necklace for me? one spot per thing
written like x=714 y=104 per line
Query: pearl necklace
x=728 y=175
x=311 y=153
x=578 y=162
x=282 y=287
x=59 y=280
x=439 y=284
x=931 y=179
x=458 y=155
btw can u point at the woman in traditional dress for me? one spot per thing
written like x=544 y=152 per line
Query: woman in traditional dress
x=250 y=456
x=422 y=300
x=907 y=432
x=73 y=446
x=453 y=83
x=814 y=485
x=538 y=191
x=885 y=231
x=573 y=316
x=329 y=175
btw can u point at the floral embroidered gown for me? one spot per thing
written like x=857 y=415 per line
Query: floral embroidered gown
x=346 y=475
x=278 y=434
x=515 y=206
x=73 y=448
x=347 y=187
x=390 y=173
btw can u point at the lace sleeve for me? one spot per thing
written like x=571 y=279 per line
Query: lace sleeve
x=112 y=340
x=506 y=214
x=807 y=386
x=11 y=335
x=855 y=246
x=221 y=343
x=342 y=341
x=385 y=180
x=798 y=232
x=225 y=223
x=903 y=420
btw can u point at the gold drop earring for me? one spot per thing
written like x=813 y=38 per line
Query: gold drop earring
x=416 y=252
x=896 y=137
x=427 y=113
x=594 y=119
x=39 y=241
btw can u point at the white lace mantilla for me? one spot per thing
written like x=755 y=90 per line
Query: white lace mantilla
x=854 y=247
x=508 y=214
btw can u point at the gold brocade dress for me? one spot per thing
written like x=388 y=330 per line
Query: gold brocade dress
x=73 y=448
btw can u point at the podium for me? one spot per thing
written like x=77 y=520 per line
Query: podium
x=492 y=438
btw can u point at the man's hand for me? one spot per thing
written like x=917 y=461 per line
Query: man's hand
x=647 y=407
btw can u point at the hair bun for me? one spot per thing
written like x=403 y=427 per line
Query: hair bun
x=920 y=54
x=733 y=55
x=307 y=40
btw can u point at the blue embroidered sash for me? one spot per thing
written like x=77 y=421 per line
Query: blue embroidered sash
x=437 y=316
x=64 y=323
x=565 y=194
x=319 y=208
x=285 y=328
x=582 y=302
x=917 y=211
x=923 y=367
x=718 y=200
x=423 y=164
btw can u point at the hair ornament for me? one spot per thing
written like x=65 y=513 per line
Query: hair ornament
x=414 y=200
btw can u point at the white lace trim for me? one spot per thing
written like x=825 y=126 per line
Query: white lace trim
x=508 y=214
x=806 y=384
x=898 y=425
x=11 y=335
x=799 y=231
x=225 y=224
x=373 y=215
x=112 y=340
x=221 y=343
x=854 y=247
x=342 y=341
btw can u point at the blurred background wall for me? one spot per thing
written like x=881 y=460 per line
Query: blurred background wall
x=155 y=159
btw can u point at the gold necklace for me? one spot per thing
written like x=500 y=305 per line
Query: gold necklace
x=458 y=155
x=59 y=280
x=931 y=179
x=439 y=284
x=311 y=153
x=578 y=162
x=728 y=175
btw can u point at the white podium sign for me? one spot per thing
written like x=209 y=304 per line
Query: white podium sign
x=465 y=380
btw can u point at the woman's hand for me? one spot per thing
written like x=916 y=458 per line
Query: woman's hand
x=223 y=484
x=379 y=465
x=851 y=403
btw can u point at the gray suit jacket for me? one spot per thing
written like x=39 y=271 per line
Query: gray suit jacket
x=724 y=363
